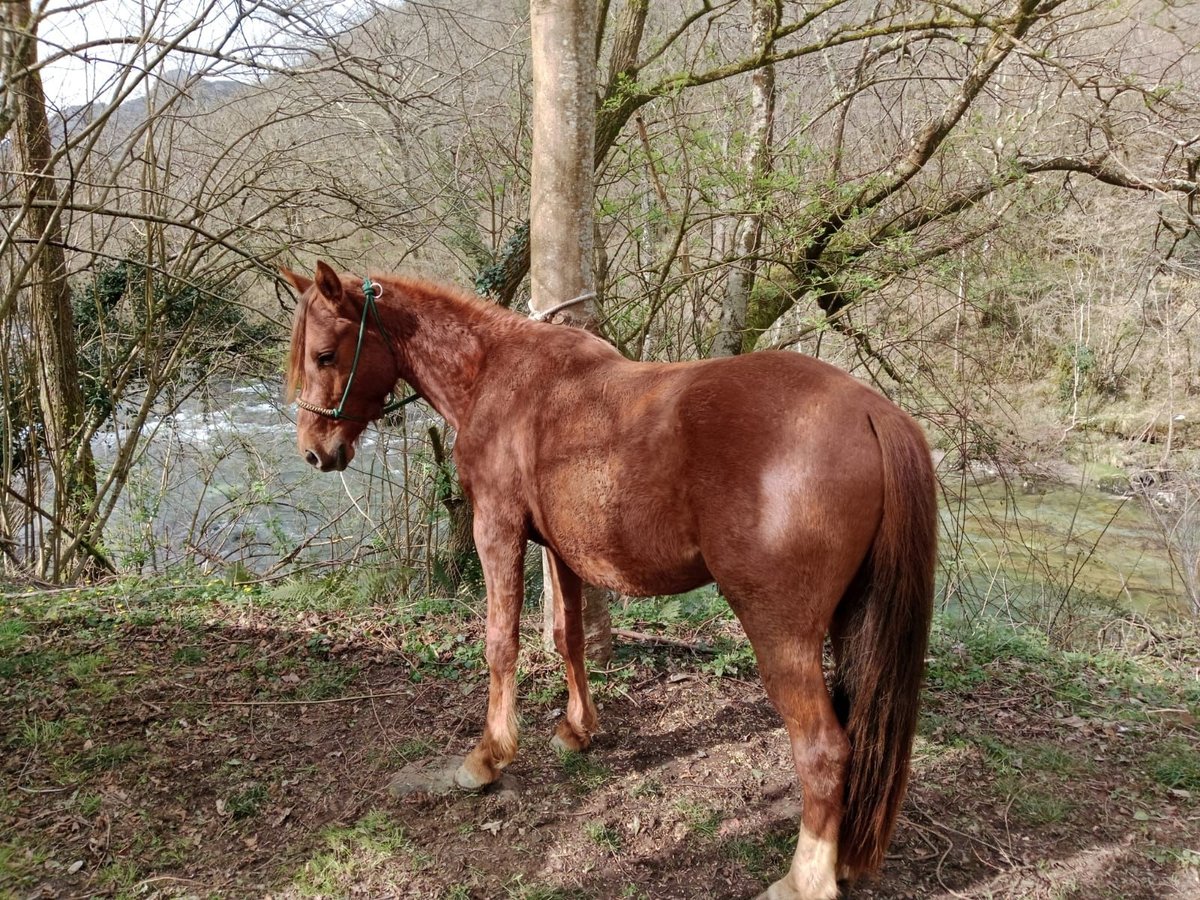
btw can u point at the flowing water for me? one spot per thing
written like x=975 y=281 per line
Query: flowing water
x=1057 y=545
x=221 y=482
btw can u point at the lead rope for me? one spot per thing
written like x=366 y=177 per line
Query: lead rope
x=546 y=314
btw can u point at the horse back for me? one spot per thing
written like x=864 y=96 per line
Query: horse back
x=654 y=478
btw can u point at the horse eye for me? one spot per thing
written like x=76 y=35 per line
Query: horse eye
x=325 y=359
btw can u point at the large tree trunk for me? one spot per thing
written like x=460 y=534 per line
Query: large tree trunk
x=561 y=200
x=51 y=320
x=743 y=263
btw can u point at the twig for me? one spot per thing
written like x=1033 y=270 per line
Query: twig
x=660 y=639
x=87 y=545
x=352 y=699
x=53 y=790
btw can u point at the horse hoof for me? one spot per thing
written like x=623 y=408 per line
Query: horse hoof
x=468 y=780
x=784 y=890
x=565 y=740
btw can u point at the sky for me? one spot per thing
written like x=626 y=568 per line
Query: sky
x=75 y=74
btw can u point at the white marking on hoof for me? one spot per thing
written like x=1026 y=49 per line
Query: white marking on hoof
x=812 y=874
x=559 y=745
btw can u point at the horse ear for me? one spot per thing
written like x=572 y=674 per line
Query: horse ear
x=329 y=285
x=299 y=282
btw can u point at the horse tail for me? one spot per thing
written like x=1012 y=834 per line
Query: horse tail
x=881 y=632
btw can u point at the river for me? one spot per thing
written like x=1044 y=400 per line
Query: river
x=221 y=484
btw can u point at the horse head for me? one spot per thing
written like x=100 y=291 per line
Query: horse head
x=342 y=365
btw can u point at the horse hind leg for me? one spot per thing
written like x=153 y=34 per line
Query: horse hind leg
x=793 y=677
x=574 y=731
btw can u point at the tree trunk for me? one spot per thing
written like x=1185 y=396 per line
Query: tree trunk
x=561 y=201
x=460 y=542
x=51 y=321
x=743 y=264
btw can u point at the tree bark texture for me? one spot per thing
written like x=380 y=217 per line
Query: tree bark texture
x=51 y=319
x=747 y=234
x=561 y=207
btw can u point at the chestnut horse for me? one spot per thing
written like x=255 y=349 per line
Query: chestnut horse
x=806 y=496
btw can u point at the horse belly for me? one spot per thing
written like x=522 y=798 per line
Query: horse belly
x=631 y=561
x=642 y=580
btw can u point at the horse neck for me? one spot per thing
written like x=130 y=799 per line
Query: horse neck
x=440 y=347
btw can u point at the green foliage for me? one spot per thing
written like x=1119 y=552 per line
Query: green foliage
x=12 y=632
x=701 y=820
x=125 y=310
x=491 y=280
x=735 y=658
x=763 y=857
x=36 y=733
x=1076 y=366
x=109 y=756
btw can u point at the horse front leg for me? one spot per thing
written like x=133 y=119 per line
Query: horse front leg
x=574 y=731
x=501 y=551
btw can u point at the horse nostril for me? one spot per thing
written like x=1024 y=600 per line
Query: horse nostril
x=313 y=459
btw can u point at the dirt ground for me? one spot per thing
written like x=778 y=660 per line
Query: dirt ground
x=238 y=754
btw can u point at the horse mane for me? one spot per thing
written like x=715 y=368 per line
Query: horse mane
x=295 y=363
x=419 y=294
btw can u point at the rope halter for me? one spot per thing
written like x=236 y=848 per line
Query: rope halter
x=370 y=289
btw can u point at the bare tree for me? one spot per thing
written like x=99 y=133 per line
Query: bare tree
x=562 y=199
x=52 y=329
x=747 y=233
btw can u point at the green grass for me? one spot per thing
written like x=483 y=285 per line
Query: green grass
x=119 y=876
x=247 y=803
x=21 y=863
x=1034 y=802
x=1039 y=807
x=762 y=857
x=189 y=655
x=373 y=854
x=82 y=669
x=39 y=734
x=648 y=787
x=325 y=680
x=584 y=772
x=88 y=804
x=606 y=837
x=12 y=634
x=109 y=756
x=701 y=820
x=410 y=751
x=1176 y=764
x=517 y=889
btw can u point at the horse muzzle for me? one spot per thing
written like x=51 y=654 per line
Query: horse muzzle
x=326 y=462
